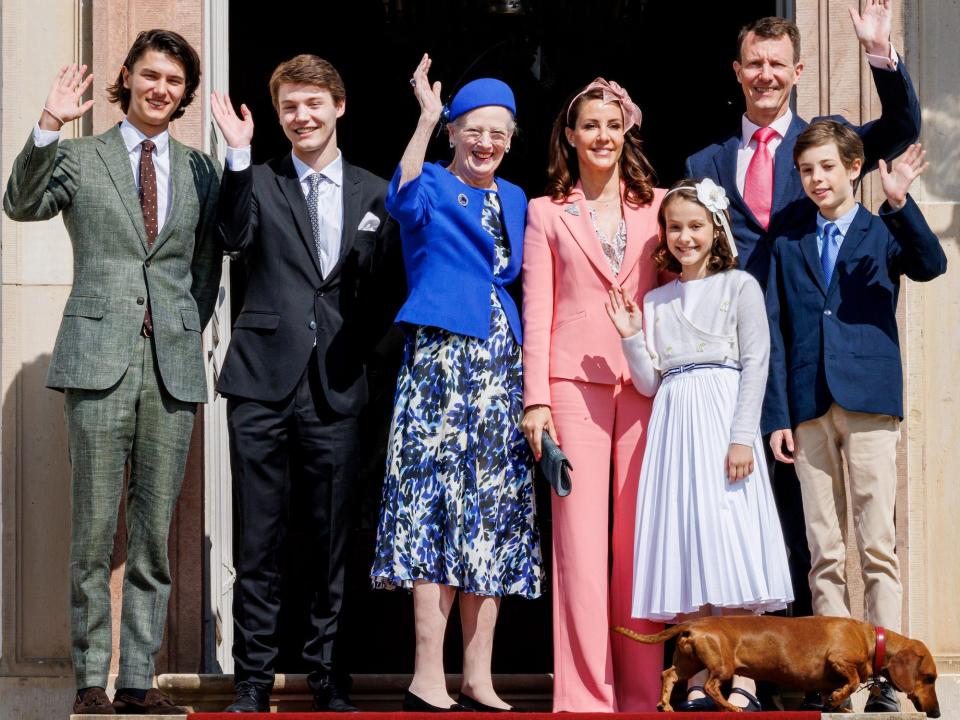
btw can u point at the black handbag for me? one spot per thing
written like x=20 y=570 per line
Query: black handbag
x=555 y=466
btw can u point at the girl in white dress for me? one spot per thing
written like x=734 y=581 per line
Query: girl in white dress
x=708 y=538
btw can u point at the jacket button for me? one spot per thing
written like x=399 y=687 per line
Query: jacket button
x=313 y=325
x=828 y=313
x=146 y=263
x=140 y=301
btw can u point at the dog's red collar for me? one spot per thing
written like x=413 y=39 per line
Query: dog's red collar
x=879 y=654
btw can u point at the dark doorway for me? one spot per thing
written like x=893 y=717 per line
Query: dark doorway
x=673 y=57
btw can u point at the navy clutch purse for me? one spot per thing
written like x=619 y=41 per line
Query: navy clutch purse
x=555 y=466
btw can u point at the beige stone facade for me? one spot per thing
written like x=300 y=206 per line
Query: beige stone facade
x=38 y=36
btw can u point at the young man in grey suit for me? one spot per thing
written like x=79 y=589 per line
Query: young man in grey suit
x=315 y=238
x=140 y=211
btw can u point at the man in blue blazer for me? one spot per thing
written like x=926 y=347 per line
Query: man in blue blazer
x=766 y=197
x=835 y=389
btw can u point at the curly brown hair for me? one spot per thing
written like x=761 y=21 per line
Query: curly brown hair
x=720 y=256
x=563 y=170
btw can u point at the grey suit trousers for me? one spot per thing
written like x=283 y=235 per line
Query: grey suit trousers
x=138 y=421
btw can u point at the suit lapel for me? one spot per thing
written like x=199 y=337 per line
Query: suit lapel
x=635 y=239
x=808 y=248
x=113 y=152
x=577 y=219
x=785 y=178
x=855 y=234
x=351 y=211
x=290 y=187
x=180 y=177
x=726 y=163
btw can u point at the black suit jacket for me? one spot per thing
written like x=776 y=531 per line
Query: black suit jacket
x=290 y=310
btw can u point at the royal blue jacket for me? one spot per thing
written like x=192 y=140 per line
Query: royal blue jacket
x=886 y=137
x=448 y=256
x=839 y=343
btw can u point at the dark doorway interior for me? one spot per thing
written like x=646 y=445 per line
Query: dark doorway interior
x=674 y=59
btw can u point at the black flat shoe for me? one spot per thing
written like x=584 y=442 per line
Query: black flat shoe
x=413 y=703
x=704 y=704
x=753 y=705
x=469 y=703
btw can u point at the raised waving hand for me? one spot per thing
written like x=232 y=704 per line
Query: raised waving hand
x=63 y=103
x=237 y=129
x=873 y=26
x=897 y=180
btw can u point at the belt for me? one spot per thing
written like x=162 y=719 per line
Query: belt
x=694 y=366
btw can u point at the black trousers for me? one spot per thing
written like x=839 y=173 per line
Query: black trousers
x=786 y=492
x=273 y=446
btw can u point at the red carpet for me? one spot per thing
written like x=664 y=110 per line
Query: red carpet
x=789 y=715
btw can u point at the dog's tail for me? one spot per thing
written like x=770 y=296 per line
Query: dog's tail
x=652 y=639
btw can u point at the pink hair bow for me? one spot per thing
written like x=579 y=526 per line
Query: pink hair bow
x=612 y=92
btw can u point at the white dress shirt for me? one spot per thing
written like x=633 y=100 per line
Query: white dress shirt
x=329 y=202
x=748 y=145
x=133 y=138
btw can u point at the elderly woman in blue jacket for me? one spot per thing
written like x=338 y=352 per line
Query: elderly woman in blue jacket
x=458 y=508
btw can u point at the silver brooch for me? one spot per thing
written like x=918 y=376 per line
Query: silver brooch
x=462 y=199
x=573 y=210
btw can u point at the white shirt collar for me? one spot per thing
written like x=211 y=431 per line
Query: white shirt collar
x=333 y=171
x=748 y=128
x=132 y=137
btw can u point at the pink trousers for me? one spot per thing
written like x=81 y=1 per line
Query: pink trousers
x=596 y=670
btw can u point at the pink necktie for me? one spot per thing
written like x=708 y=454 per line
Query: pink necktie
x=758 y=185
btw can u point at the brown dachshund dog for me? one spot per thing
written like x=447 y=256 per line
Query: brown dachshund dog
x=811 y=653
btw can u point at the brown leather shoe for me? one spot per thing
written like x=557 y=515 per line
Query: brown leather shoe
x=93 y=701
x=154 y=703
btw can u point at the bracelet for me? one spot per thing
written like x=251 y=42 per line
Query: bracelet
x=49 y=112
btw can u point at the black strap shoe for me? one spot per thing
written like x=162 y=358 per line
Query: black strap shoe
x=330 y=693
x=704 y=704
x=883 y=699
x=753 y=704
x=250 y=697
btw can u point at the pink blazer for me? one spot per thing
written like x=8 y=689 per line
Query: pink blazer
x=566 y=331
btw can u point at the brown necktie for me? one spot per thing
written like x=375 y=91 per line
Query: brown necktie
x=148 y=204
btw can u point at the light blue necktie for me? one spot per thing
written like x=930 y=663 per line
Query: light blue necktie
x=831 y=248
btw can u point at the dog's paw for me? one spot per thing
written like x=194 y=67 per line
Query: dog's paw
x=664 y=707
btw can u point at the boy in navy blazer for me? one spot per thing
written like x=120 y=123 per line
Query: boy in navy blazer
x=835 y=388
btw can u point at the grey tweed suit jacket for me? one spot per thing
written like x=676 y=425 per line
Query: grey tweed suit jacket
x=91 y=182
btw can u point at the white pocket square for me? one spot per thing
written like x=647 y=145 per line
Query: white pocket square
x=370 y=222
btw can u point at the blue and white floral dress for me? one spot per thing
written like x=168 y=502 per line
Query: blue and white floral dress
x=458 y=503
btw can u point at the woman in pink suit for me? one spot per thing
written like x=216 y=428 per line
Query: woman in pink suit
x=596 y=230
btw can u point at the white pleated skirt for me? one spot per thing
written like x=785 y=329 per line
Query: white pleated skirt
x=700 y=539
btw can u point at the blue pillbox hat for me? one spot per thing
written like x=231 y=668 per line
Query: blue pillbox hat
x=481 y=92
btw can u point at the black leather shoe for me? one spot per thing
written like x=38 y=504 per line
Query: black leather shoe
x=813 y=701
x=753 y=704
x=704 y=704
x=413 y=703
x=331 y=694
x=885 y=701
x=476 y=706
x=250 y=697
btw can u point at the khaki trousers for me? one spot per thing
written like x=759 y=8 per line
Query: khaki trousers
x=867 y=443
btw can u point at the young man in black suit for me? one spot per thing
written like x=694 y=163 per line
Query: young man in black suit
x=314 y=235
